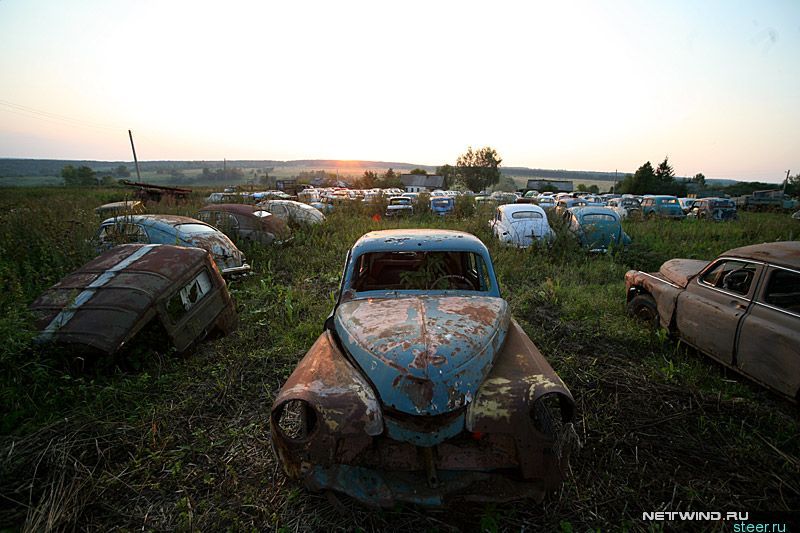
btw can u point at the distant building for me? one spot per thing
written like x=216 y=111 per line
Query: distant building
x=558 y=185
x=422 y=182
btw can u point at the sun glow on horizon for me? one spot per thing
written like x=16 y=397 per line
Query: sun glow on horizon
x=581 y=86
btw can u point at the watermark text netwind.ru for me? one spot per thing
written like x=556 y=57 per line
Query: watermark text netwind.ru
x=740 y=517
x=694 y=515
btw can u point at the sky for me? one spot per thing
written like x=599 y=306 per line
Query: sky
x=584 y=85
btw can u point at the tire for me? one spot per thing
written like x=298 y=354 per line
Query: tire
x=643 y=307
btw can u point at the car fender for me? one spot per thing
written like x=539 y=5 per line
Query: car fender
x=345 y=405
x=506 y=400
x=663 y=292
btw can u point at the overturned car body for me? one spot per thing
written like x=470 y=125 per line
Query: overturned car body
x=108 y=301
x=422 y=388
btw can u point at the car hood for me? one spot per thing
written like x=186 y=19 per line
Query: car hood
x=425 y=355
x=680 y=271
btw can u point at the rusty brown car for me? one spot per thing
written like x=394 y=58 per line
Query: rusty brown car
x=243 y=221
x=108 y=301
x=422 y=387
x=742 y=309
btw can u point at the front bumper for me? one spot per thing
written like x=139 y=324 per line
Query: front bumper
x=385 y=489
x=233 y=271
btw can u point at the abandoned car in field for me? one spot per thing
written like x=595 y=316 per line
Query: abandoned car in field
x=596 y=228
x=292 y=212
x=662 y=206
x=108 y=301
x=422 y=388
x=521 y=225
x=172 y=229
x=399 y=206
x=245 y=222
x=127 y=207
x=742 y=309
x=716 y=209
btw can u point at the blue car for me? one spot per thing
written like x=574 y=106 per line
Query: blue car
x=662 y=207
x=443 y=205
x=175 y=230
x=596 y=228
x=422 y=388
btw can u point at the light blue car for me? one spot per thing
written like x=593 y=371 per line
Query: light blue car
x=596 y=228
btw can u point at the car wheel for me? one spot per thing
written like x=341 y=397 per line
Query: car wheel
x=643 y=307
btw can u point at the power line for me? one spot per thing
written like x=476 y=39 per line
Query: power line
x=32 y=112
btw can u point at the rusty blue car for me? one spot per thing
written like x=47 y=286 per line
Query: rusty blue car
x=422 y=388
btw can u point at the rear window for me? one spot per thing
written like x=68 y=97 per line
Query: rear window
x=420 y=271
x=598 y=218
x=441 y=203
x=195 y=228
x=526 y=214
x=722 y=204
x=669 y=201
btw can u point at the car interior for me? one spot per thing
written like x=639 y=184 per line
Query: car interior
x=420 y=271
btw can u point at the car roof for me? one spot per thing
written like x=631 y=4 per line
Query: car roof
x=241 y=209
x=169 y=220
x=102 y=301
x=785 y=253
x=412 y=240
x=516 y=208
x=593 y=210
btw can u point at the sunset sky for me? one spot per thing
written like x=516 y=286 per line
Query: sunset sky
x=564 y=85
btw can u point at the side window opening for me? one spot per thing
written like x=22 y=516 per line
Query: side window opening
x=783 y=290
x=732 y=276
x=188 y=296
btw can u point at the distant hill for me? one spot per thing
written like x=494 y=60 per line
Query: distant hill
x=14 y=168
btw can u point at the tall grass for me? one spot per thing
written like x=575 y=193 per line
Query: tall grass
x=183 y=442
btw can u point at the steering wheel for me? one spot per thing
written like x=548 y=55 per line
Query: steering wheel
x=467 y=282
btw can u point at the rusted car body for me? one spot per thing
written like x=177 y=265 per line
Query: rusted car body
x=128 y=207
x=422 y=388
x=105 y=303
x=742 y=309
x=245 y=222
x=716 y=209
x=172 y=229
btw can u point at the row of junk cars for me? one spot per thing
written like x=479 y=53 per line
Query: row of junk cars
x=422 y=387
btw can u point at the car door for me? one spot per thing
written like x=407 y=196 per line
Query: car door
x=769 y=341
x=708 y=312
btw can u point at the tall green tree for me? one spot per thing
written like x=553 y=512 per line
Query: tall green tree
x=419 y=172
x=449 y=173
x=643 y=181
x=78 y=177
x=665 y=174
x=700 y=180
x=478 y=169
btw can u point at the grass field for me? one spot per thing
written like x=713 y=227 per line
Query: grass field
x=161 y=442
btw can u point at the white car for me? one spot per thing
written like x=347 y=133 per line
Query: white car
x=546 y=201
x=521 y=225
x=293 y=212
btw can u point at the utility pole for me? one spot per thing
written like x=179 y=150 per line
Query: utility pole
x=786 y=181
x=136 y=161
